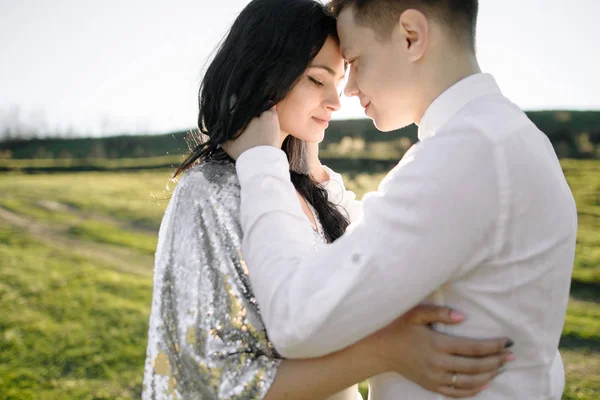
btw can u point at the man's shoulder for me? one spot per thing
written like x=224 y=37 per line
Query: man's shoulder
x=494 y=117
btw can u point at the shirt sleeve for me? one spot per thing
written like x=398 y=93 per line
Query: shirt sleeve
x=344 y=199
x=428 y=222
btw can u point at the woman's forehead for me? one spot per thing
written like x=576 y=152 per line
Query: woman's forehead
x=330 y=58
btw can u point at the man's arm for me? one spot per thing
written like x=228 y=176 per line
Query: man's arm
x=408 y=347
x=429 y=222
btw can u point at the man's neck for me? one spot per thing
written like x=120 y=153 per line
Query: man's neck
x=455 y=69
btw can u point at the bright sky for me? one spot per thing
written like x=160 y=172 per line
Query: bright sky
x=134 y=66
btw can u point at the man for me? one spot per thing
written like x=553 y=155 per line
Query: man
x=477 y=215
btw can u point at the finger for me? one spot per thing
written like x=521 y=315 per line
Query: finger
x=470 y=382
x=271 y=116
x=425 y=314
x=471 y=347
x=457 y=393
x=472 y=366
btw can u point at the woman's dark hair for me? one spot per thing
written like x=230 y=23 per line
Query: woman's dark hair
x=269 y=46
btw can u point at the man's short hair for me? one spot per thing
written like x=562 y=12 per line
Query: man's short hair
x=459 y=16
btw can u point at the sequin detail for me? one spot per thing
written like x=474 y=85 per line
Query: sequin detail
x=206 y=339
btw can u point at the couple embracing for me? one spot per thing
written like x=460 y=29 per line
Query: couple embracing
x=272 y=281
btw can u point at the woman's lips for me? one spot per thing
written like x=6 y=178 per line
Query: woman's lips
x=320 y=121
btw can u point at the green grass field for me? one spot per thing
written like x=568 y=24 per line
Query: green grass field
x=76 y=254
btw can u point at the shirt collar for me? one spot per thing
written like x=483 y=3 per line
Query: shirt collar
x=451 y=101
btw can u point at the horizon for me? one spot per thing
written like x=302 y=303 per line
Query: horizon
x=75 y=135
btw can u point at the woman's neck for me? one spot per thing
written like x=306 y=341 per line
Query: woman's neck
x=282 y=137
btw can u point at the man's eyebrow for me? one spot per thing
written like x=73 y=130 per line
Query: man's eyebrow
x=326 y=68
x=345 y=52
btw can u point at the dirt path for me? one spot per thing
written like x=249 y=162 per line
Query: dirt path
x=55 y=206
x=120 y=258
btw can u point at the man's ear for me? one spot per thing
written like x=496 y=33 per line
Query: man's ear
x=414 y=28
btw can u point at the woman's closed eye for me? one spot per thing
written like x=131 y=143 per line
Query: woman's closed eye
x=316 y=82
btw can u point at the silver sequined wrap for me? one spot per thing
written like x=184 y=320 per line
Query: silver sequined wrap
x=206 y=339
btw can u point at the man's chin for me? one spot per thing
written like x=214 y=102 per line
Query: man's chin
x=388 y=126
x=382 y=126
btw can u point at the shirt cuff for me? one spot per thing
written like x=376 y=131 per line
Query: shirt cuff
x=262 y=160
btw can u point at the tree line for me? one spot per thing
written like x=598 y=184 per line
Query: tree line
x=574 y=134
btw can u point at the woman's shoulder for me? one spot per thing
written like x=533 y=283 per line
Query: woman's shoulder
x=209 y=179
x=206 y=191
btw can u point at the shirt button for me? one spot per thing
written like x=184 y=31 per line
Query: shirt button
x=355 y=258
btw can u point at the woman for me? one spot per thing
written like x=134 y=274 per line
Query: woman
x=206 y=338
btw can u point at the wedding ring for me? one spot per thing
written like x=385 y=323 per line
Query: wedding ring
x=454 y=379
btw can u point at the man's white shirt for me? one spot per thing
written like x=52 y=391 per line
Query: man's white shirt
x=477 y=216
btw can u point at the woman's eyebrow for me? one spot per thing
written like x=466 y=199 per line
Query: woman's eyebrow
x=328 y=69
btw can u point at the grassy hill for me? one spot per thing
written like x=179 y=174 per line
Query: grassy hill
x=76 y=257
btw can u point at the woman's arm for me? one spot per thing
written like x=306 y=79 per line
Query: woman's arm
x=409 y=347
x=318 y=378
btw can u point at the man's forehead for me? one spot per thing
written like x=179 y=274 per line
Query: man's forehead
x=348 y=31
x=345 y=21
x=349 y=44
